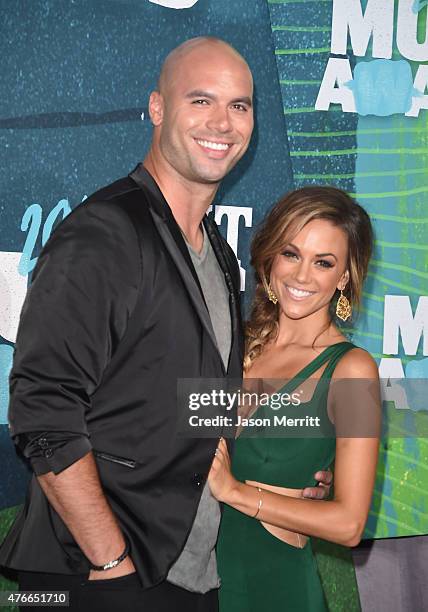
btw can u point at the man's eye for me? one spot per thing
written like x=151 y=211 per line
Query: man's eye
x=240 y=107
x=201 y=102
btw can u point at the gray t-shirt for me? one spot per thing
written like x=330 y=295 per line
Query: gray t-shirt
x=196 y=567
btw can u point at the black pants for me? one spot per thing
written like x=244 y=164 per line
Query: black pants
x=122 y=594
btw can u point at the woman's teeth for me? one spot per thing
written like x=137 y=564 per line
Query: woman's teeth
x=299 y=292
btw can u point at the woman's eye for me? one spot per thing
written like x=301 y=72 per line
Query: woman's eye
x=324 y=263
x=289 y=254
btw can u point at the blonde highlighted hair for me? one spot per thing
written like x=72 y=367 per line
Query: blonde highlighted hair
x=286 y=219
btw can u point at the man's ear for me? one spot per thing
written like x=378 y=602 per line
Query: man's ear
x=344 y=279
x=156 y=108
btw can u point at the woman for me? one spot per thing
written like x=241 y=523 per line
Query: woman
x=310 y=257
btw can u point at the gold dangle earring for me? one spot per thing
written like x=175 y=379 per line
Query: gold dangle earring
x=272 y=297
x=343 y=307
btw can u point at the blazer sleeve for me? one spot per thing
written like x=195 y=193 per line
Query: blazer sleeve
x=83 y=291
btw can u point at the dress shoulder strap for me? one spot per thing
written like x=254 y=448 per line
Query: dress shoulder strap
x=334 y=351
x=330 y=354
x=339 y=350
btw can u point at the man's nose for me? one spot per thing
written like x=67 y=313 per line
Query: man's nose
x=220 y=120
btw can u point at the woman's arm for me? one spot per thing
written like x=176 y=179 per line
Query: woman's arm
x=341 y=520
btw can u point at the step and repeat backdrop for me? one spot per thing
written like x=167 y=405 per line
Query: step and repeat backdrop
x=341 y=98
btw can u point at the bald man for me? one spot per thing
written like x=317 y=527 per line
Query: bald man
x=135 y=290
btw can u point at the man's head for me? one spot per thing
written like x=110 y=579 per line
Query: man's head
x=202 y=111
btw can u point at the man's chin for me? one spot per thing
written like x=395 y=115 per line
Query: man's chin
x=211 y=180
x=212 y=176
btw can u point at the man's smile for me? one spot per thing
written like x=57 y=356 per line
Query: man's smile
x=215 y=150
x=216 y=146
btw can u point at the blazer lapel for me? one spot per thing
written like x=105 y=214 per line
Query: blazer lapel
x=172 y=238
x=234 y=296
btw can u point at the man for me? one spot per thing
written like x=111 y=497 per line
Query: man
x=135 y=290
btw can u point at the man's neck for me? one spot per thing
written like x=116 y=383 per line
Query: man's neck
x=189 y=201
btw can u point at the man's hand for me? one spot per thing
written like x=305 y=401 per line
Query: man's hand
x=322 y=491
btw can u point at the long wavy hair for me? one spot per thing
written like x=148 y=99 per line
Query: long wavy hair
x=286 y=219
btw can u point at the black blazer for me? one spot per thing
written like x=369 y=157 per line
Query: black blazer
x=114 y=316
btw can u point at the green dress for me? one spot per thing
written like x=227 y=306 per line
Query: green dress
x=258 y=571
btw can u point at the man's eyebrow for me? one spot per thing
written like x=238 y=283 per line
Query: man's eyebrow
x=200 y=93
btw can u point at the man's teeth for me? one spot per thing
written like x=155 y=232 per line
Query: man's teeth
x=299 y=292
x=216 y=146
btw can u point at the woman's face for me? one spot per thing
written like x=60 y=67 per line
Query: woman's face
x=310 y=268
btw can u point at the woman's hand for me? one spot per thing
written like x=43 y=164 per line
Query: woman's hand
x=220 y=479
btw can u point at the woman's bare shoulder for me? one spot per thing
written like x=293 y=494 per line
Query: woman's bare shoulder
x=356 y=363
